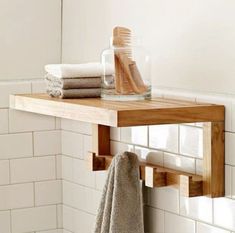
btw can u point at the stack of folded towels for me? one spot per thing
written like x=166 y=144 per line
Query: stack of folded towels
x=75 y=80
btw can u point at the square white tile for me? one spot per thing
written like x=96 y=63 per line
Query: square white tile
x=3 y=121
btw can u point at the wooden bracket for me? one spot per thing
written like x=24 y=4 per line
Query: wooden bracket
x=211 y=183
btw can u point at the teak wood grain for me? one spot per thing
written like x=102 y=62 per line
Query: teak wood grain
x=118 y=113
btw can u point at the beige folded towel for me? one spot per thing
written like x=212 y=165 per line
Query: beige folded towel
x=120 y=209
x=72 y=83
x=74 y=93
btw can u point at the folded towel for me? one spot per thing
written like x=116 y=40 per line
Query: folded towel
x=72 y=83
x=120 y=209
x=74 y=93
x=94 y=69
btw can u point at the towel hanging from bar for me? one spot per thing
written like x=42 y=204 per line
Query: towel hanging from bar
x=120 y=209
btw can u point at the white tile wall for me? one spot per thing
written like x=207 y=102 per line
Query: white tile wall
x=34 y=219
x=204 y=228
x=47 y=143
x=16 y=145
x=5 y=221
x=20 y=121
x=16 y=196
x=4 y=172
x=48 y=192
x=33 y=169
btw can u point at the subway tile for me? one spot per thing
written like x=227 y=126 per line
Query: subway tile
x=81 y=197
x=33 y=169
x=59 y=166
x=34 y=219
x=12 y=87
x=72 y=144
x=205 y=228
x=164 y=137
x=224 y=213
x=47 y=143
x=35 y=38
x=115 y=133
x=154 y=220
x=77 y=221
x=16 y=145
x=5 y=222
x=178 y=224
x=191 y=141
x=195 y=208
x=118 y=147
x=58 y=123
x=228 y=181
x=4 y=172
x=135 y=135
x=222 y=100
x=48 y=192
x=16 y=196
x=178 y=162
x=166 y=198
x=230 y=148
x=51 y=231
x=76 y=126
x=38 y=86
x=3 y=121
x=150 y=156
x=67 y=168
x=20 y=121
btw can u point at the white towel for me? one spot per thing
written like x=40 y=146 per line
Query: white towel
x=93 y=69
x=120 y=209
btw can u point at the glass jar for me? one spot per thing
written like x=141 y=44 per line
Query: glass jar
x=130 y=79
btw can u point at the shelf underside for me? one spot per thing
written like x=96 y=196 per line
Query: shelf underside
x=119 y=113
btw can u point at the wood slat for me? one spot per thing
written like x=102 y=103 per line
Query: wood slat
x=119 y=113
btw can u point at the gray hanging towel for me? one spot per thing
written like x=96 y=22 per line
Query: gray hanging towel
x=120 y=209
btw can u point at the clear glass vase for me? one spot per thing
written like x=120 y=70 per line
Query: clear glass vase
x=131 y=78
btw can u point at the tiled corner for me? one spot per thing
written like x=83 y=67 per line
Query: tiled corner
x=115 y=133
x=48 y=192
x=164 y=137
x=47 y=142
x=72 y=144
x=76 y=126
x=119 y=147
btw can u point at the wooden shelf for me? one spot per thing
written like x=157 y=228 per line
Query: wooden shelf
x=104 y=114
x=117 y=113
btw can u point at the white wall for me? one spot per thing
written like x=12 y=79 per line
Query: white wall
x=191 y=42
x=30 y=37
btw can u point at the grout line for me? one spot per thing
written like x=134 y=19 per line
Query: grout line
x=61 y=30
